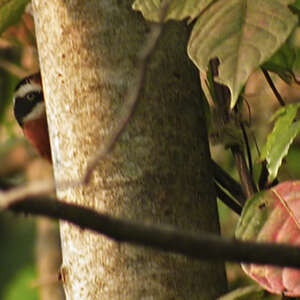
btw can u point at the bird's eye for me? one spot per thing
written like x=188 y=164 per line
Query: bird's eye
x=30 y=96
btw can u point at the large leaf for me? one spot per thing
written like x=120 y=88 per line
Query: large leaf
x=11 y=12
x=282 y=62
x=242 y=34
x=279 y=140
x=177 y=10
x=286 y=61
x=273 y=216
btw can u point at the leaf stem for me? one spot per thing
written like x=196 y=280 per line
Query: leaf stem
x=228 y=183
x=227 y=200
x=246 y=180
x=273 y=87
x=223 y=104
x=250 y=163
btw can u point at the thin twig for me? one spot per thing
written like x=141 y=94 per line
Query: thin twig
x=263 y=177
x=246 y=180
x=249 y=111
x=165 y=238
x=223 y=100
x=33 y=189
x=13 y=69
x=228 y=183
x=233 y=205
x=295 y=77
x=273 y=87
x=244 y=171
x=250 y=163
x=133 y=95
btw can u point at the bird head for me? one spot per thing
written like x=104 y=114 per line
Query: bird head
x=30 y=113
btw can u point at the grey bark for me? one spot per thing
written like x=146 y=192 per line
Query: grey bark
x=159 y=172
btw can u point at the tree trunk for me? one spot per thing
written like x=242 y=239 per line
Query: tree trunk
x=159 y=171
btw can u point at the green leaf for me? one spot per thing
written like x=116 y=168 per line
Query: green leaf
x=294 y=43
x=11 y=12
x=280 y=139
x=296 y=4
x=178 y=10
x=286 y=61
x=296 y=65
x=272 y=216
x=20 y=287
x=7 y=85
x=242 y=34
x=282 y=62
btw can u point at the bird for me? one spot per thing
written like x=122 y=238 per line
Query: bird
x=30 y=113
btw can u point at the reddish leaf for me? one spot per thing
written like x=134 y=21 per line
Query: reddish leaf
x=273 y=216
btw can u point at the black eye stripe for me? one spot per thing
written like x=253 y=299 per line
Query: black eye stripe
x=23 y=106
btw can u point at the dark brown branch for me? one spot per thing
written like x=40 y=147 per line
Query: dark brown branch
x=273 y=87
x=164 y=238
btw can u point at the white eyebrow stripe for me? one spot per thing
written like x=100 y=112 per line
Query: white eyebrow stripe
x=37 y=112
x=27 y=88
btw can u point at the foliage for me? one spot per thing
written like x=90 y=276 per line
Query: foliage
x=282 y=62
x=242 y=34
x=279 y=140
x=11 y=12
x=20 y=287
x=273 y=216
x=178 y=10
x=16 y=233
